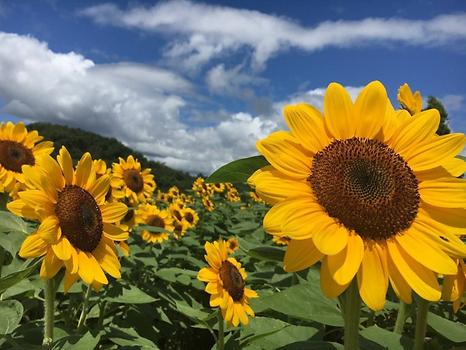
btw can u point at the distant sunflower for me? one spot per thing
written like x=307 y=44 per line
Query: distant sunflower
x=180 y=228
x=190 y=216
x=370 y=191
x=232 y=245
x=255 y=197
x=202 y=188
x=129 y=181
x=281 y=240
x=226 y=283
x=176 y=212
x=409 y=101
x=77 y=227
x=232 y=195
x=218 y=187
x=19 y=147
x=208 y=204
x=148 y=214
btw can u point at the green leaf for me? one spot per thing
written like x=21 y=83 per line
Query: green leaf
x=13 y=231
x=129 y=295
x=461 y=157
x=128 y=338
x=10 y=280
x=303 y=301
x=152 y=228
x=238 y=170
x=388 y=340
x=77 y=342
x=454 y=331
x=11 y=312
x=267 y=253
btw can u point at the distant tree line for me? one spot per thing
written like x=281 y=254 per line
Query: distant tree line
x=78 y=142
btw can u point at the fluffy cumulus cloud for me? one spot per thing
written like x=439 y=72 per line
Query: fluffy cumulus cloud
x=210 y=31
x=137 y=104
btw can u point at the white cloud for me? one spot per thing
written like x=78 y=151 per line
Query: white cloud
x=210 y=31
x=453 y=103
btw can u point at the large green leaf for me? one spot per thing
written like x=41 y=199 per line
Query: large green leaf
x=267 y=253
x=454 y=331
x=129 y=295
x=388 y=340
x=303 y=301
x=12 y=279
x=13 y=231
x=11 y=312
x=237 y=171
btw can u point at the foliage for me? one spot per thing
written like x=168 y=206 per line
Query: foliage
x=78 y=141
x=433 y=102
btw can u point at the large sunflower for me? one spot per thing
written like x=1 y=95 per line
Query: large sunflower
x=130 y=182
x=19 y=147
x=226 y=283
x=77 y=228
x=148 y=214
x=370 y=191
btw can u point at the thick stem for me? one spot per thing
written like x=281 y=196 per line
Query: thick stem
x=220 y=338
x=2 y=259
x=421 y=323
x=49 y=313
x=100 y=322
x=400 y=318
x=82 y=318
x=352 y=308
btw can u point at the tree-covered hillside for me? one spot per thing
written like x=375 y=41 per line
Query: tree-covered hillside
x=78 y=141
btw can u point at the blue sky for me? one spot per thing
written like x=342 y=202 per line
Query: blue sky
x=195 y=84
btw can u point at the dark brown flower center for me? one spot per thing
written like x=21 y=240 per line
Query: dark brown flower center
x=189 y=217
x=129 y=215
x=366 y=186
x=232 y=280
x=155 y=220
x=133 y=180
x=177 y=215
x=79 y=217
x=14 y=155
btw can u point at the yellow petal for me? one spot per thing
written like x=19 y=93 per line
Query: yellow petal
x=107 y=259
x=300 y=254
x=62 y=249
x=99 y=189
x=54 y=173
x=373 y=279
x=434 y=152
x=18 y=207
x=344 y=265
x=66 y=164
x=85 y=271
x=83 y=170
x=113 y=212
x=49 y=230
x=446 y=192
x=50 y=265
x=339 y=112
x=419 y=278
x=285 y=154
x=428 y=255
x=452 y=219
x=399 y=284
x=415 y=130
x=33 y=247
x=330 y=288
x=115 y=233
x=99 y=275
x=307 y=125
x=207 y=274
x=369 y=110
x=70 y=279
x=330 y=239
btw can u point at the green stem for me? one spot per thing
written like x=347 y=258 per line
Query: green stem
x=352 y=308
x=421 y=323
x=82 y=318
x=2 y=259
x=49 y=313
x=220 y=338
x=100 y=322
x=400 y=318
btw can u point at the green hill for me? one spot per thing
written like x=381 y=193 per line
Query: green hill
x=78 y=141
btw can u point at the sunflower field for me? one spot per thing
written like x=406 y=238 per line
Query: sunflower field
x=346 y=232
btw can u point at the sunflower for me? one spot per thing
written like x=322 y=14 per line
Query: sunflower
x=174 y=191
x=100 y=167
x=232 y=195
x=370 y=191
x=255 y=197
x=19 y=147
x=176 y=212
x=202 y=188
x=226 y=283
x=128 y=181
x=454 y=286
x=180 y=228
x=77 y=227
x=232 y=245
x=148 y=214
x=409 y=101
x=281 y=240
x=190 y=216
x=162 y=197
x=208 y=204
x=218 y=187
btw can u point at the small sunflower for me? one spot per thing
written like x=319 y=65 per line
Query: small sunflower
x=190 y=216
x=162 y=196
x=202 y=188
x=19 y=147
x=148 y=214
x=176 y=212
x=409 y=101
x=208 y=204
x=232 y=195
x=130 y=182
x=370 y=191
x=218 y=187
x=174 y=192
x=77 y=227
x=232 y=245
x=180 y=228
x=454 y=287
x=281 y=240
x=226 y=283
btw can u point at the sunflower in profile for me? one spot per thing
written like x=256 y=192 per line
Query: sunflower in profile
x=370 y=191
x=148 y=214
x=409 y=101
x=19 y=147
x=226 y=283
x=77 y=227
x=130 y=182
